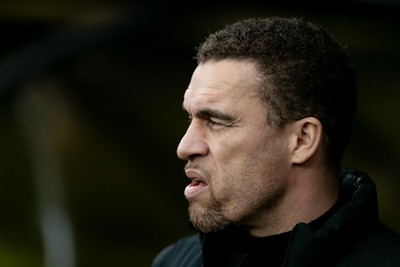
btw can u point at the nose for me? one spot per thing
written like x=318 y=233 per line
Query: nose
x=193 y=143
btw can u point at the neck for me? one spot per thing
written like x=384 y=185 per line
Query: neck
x=310 y=193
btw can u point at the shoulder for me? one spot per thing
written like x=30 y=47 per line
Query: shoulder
x=380 y=248
x=186 y=252
x=383 y=241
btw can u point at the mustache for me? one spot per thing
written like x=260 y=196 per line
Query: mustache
x=199 y=167
x=192 y=165
x=188 y=166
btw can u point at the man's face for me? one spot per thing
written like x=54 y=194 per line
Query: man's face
x=237 y=163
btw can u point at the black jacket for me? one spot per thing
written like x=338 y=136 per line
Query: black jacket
x=351 y=236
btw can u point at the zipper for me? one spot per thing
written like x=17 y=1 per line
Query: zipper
x=242 y=259
x=289 y=249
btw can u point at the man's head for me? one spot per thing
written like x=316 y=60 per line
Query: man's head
x=259 y=100
x=303 y=71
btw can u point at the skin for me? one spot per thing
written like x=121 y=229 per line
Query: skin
x=253 y=175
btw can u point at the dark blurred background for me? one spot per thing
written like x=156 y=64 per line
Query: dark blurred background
x=90 y=117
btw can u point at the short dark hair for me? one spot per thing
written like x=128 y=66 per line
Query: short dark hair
x=305 y=73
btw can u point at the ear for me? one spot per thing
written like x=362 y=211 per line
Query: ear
x=305 y=139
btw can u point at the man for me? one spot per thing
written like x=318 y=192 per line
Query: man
x=271 y=105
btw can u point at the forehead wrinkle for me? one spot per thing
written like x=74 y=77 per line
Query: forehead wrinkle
x=212 y=80
x=190 y=100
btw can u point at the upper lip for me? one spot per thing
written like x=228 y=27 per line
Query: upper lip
x=195 y=176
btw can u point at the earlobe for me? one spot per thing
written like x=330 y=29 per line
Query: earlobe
x=306 y=139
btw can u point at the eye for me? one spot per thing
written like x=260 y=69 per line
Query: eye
x=189 y=120
x=213 y=121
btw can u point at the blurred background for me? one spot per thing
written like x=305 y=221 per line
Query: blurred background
x=90 y=117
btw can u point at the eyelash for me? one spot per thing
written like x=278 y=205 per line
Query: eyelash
x=209 y=120
x=212 y=122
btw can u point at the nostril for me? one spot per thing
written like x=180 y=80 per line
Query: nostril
x=192 y=157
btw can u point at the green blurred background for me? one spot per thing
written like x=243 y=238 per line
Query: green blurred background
x=90 y=117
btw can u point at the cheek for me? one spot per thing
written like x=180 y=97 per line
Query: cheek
x=237 y=164
x=247 y=158
x=261 y=162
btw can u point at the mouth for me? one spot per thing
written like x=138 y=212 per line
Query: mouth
x=197 y=185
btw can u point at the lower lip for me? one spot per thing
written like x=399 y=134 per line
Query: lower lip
x=193 y=190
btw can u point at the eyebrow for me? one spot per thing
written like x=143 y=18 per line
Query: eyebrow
x=213 y=113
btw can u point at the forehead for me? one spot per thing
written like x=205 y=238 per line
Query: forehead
x=228 y=80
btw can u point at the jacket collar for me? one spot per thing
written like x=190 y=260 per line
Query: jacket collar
x=312 y=246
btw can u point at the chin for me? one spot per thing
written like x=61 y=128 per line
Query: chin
x=207 y=220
